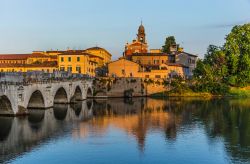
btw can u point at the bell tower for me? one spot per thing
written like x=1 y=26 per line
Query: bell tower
x=141 y=36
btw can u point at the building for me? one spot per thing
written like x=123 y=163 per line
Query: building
x=139 y=62
x=75 y=61
x=187 y=59
x=102 y=56
x=126 y=68
x=27 y=62
x=150 y=59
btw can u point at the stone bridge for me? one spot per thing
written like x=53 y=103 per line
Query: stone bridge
x=17 y=98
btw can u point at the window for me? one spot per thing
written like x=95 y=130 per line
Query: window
x=62 y=69
x=69 y=69
x=123 y=71
x=78 y=59
x=156 y=61
x=62 y=59
x=146 y=76
x=158 y=76
x=69 y=59
x=78 y=69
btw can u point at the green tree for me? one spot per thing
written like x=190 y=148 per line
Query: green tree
x=211 y=72
x=237 y=50
x=168 y=43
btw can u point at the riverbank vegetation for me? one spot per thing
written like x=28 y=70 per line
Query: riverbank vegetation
x=224 y=71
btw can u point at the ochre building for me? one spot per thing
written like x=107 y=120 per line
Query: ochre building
x=74 y=61
x=126 y=68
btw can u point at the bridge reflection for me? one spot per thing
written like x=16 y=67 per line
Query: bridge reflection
x=19 y=135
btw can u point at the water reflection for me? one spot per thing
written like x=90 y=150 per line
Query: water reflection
x=36 y=118
x=5 y=127
x=223 y=121
x=60 y=111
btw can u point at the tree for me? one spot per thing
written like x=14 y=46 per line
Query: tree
x=168 y=43
x=237 y=50
x=211 y=72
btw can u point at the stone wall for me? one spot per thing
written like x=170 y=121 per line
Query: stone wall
x=127 y=87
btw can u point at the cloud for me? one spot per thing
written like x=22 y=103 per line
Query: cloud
x=229 y=24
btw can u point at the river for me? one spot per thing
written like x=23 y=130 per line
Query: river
x=138 y=130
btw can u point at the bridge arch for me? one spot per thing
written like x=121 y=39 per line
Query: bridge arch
x=6 y=106
x=61 y=96
x=77 y=95
x=89 y=92
x=36 y=100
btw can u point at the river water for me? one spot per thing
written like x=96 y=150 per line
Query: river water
x=139 y=130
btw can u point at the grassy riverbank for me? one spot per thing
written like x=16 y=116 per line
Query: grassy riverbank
x=233 y=92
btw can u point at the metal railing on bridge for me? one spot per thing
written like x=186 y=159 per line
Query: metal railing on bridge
x=39 y=77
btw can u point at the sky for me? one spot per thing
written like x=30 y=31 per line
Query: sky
x=28 y=25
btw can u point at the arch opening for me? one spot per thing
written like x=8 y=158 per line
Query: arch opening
x=61 y=97
x=89 y=93
x=36 y=101
x=5 y=106
x=77 y=95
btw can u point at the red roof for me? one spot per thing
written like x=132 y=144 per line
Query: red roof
x=20 y=56
x=14 y=56
x=45 y=64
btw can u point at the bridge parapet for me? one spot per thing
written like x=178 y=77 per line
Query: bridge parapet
x=39 y=77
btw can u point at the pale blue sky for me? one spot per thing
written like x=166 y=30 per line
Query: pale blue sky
x=27 y=25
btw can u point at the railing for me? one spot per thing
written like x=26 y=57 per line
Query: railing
x=15 y=78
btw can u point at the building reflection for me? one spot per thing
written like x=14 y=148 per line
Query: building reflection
x=137 y=117
x=222 y=118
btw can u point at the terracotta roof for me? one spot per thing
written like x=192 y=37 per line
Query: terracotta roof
x=38 y=55
x=95 y=48
x=14 y=56
x=21 y=56
x=98 y=48
x=149 y=54
x=122 y=58
x=45 y=64
x=75 y=53
x=178 y=53
x=93 y=56
x=55 y=51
